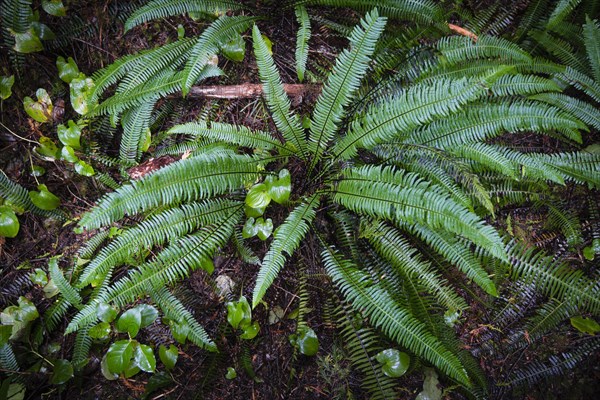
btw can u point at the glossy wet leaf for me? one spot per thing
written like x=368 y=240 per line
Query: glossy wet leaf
x=394 y=363
x=38 y=170
x=168 y=355
x=50 y=290
x=9 y=223
x=279 y=188
x=54 y=7
x=235 y=49
x=148 y=313
x=144 y=358
x=231 y=374
x=69 y=136
x=111 y=376
x=39 y=277
x=79 y=88
x=585 y=325
x=157 y=381
x=105 y=312
x=145 y=144
x=6 y=84
x=180 y=331
x=44 y=199
x=130 y=322
x=119 y=355
x=47 y=149
x=41 y=109
x=268 y=43
x=250 y=331
x=67 y=69
x=451 y=317
x=27 y=42
x=239 y=313
x=5 y=333
x=20 y=317
x=254 y=212
x=63 y=371
x=131 y=369
x=431 y=390
x=180 y=31
x=588 y=253
x=99 y=331
x=258 y=196
x=68 y=154
x=84 y=169
x=264 y=228
x=42 y=30
x=306 y=341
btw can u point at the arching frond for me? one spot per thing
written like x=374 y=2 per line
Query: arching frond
x=510 y=85
x=279 y=104
x=591 y=37
x=65 y=288
x=385 y=314
x=585 y=112
x=286 y=239
x=580 y=167
x=189 y=179
x=302 y=38
x=582 y=82
x=457 y=49
x=136 y=123
x=350 y=68
x=167 y=8
x=560 y=49
x=396 y=195
x=207 y=45
x=561 y=11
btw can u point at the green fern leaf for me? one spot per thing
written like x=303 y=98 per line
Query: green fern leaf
x=343 y=81
x=385 y=314
x=136 y=122
x=591 y=37
x=582 y=82
x=19 y=196
x=61 y=283
x=190 y=179
x=586 y=112
x=286 y=239
x=457 y=49
x=302 y=38
x=168 y=8
x=220 y=31
x=288 y=124
x=399 y=196
x=561 y=11
x=510 y=85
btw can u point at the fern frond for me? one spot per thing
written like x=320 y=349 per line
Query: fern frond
x=8 y=360
x=189 y=179
x=279 y=104
x=424 y=11
x=395 y=249
x=582 y=82
x=533 y=18
x=457 y=49
x=343 y=81
x=563 y=219
x=168 y=225
x=230 y=133
x=136 y=122
x=591 y=37
x=302 y=38
x=411 y=108
x=549 y=316
x=176 y=311
x=582 y=110
x=65 y=288
x=554 y=278
x=398 y=196
x=457 y=253
x=579 y=167
x=561 y=11
x=286 y=239
x=81 y=349
x=220 y=31
x=510 y=85
x=245 y=252
x=19 y=196
x=167 y=8
x=55 y=314
x=481 y=122
x=384 y=313
x=560 y=49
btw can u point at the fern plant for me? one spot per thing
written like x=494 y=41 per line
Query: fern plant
x=394 y=193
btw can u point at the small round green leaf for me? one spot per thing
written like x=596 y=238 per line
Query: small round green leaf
x=70 y=136
x=268 y=43
x=27 y=42
x=47 y=149
x=99 y=331
x=79 y=88
x=168 y=355
x=180 y=331
x=130 y=322
x=111 y=376
x=307 y=341
x=250 y=331
x=68 y=154
x=84 y=169
x=63 y=371
x=231 y=374
x=394 y=363
x=585 y=325
x=235 y=49
x=119 y=355
x=67 y=69
x=6 y=84
x=144 y=358
x=37 y=170
x=148 y=313
x=106 y=313
x=250 y=229
x=35 y=110
x=264 y=228
x=9 y=223
x=39 y=277
x=258 y=196
x=279 y=189
x=253 y=212
x=54 y=7
x=44 y=199
x=239 y=313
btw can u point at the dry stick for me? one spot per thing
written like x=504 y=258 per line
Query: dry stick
x=250 y=90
